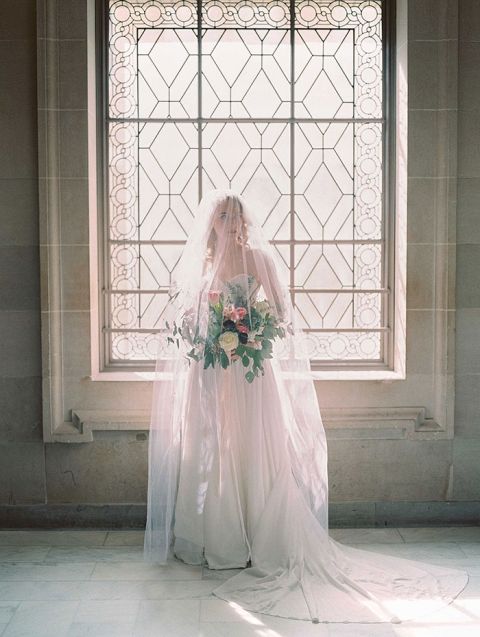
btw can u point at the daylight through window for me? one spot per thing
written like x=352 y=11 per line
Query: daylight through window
x=283 y=102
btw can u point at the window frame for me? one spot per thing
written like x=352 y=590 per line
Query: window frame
x=393 y=365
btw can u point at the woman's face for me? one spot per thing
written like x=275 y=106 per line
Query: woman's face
x=226 y=219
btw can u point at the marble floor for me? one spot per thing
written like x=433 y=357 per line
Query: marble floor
x=78 y=583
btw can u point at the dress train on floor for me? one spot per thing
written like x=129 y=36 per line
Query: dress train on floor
x=239 y=506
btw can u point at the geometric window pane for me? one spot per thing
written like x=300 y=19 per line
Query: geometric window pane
x=324 y=185
x=324 y=85
x=246 y=73
x=167 y=73
x=340 y=66
x=167 y=180
x=334 y=310
x=260 y=160
x=296 y=91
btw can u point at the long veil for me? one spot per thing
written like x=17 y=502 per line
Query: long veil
x=233 y=351
x=227 y=243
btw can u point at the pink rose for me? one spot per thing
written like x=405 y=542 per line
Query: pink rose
x=213 y=297
x=242 y=328
x=238 y=313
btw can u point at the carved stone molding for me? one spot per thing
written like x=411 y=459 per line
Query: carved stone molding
x=49 y=207
x=68 y=421
x=393 y=423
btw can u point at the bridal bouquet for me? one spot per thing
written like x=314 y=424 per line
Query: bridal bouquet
x=233 y=334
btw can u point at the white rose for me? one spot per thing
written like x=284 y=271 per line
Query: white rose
x=262 y=307
x=228 y=341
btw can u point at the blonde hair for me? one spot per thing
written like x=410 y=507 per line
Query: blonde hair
x=241 y=235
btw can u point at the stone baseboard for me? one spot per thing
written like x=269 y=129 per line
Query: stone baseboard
x=342 y=515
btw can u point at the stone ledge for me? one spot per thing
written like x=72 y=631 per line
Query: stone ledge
x=341 y=514
x=385 y=423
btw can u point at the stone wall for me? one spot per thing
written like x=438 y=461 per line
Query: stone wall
x=466 y=445
x=371 y=481
x=22 y=461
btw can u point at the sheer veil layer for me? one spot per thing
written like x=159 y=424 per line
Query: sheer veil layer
x=237 y=447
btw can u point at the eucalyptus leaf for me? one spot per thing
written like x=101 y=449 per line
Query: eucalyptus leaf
x=257 y=357
x=224 y=359
x=208 y=360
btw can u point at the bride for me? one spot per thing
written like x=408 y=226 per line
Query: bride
x=237 y=449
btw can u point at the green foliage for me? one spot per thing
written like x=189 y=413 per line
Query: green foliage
x=209 y=359
x=224 y=359
x=264 y=325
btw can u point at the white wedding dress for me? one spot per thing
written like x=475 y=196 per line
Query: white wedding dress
x=238 y=500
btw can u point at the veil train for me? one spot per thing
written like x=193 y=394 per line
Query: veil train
x=237 y=447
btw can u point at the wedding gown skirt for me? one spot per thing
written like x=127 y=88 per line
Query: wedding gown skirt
x=238 y=501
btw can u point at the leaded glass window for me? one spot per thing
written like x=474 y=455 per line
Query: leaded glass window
x=284 y=102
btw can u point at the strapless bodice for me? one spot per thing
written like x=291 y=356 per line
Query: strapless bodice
x=241 y=283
